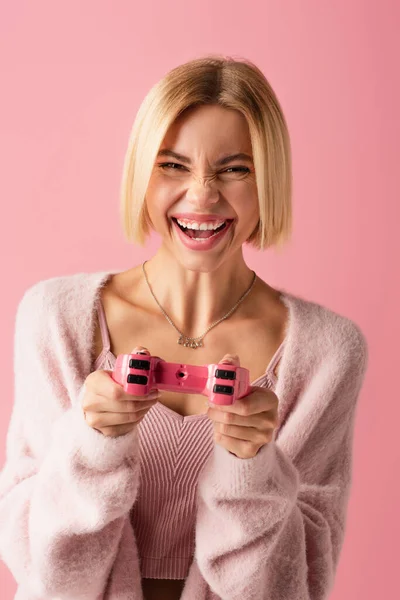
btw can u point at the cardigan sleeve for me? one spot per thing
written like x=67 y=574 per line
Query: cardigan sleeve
x=65 y=489
x=272 y=527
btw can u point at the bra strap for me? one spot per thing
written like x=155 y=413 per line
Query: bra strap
x=103 y=326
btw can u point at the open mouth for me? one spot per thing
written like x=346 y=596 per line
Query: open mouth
x=200 y=233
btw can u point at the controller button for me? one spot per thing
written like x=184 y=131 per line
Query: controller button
x=140 y=379
x=224 y=374
x=223 y=389
x=143 y=365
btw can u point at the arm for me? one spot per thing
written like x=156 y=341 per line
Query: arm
x=272 y=527
x=65 y=489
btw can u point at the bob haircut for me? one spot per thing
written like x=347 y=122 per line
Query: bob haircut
x=233 y=84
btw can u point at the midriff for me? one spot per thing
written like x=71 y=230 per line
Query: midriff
x=162 y=589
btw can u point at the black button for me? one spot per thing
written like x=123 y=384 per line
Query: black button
x=223 y=389
x=140 y=379
x=135 y=363
x=223 y=374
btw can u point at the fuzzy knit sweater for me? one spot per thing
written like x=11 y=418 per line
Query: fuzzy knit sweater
x=80 y=512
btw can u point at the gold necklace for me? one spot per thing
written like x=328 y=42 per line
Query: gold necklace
x=196 y=342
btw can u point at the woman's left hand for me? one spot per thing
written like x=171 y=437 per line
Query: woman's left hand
x=248 y=424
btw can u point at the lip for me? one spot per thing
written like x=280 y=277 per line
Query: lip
x=207 y=244
x=201 y=218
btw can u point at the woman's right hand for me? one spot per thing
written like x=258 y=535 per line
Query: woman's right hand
x=111 y=410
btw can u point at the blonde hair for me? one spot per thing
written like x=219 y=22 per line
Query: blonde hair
x=233 y=84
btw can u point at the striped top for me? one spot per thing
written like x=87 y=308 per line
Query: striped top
x=173 y=450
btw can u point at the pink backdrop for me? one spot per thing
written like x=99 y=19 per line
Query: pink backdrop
x=72 y=81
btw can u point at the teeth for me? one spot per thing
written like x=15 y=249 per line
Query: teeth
x=200 y=226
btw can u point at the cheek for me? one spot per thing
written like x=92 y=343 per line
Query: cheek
x=246 y=206
x=249 y=221
x=158 y=202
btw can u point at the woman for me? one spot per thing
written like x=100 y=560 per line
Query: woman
x=108 y=496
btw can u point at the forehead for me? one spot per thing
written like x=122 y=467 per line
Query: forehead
x=209 y=126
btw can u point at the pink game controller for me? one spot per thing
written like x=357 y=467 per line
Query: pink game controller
x=140 y=373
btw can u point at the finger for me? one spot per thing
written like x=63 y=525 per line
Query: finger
x=262 y=420
x=240 y=448
x=257 y=400
x=249 y=434
x=123 y=407
x=108 y=419
x=118 y=430
x=140 y=350
x=232 y=359
x=103 y=384
x=111 y=389
x=120 y=401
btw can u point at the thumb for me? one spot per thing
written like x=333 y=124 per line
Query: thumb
x=230 y=359
x=140 y=350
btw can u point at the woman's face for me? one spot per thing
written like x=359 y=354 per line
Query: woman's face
x=202 y=190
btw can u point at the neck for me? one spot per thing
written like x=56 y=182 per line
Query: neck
x=194 y=299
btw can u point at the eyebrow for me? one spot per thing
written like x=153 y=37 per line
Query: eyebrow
x=222 y=161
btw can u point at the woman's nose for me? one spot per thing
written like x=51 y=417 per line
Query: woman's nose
x=202 y=192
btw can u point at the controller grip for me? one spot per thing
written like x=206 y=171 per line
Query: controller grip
x=134 y=373
x=228 y=384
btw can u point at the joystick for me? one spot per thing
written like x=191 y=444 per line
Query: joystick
x=141 y=373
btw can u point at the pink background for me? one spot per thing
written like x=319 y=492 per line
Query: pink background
x=72 y=81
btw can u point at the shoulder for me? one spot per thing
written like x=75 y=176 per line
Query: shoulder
x=58 y=302
x=324 y=333
x=58 y=293
x=54 y=326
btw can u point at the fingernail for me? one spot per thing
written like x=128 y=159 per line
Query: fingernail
x=230 y=357
x=140 y=350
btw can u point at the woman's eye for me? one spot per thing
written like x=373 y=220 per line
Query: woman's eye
x=179 y=167
x=238 y=169
x=169 y=165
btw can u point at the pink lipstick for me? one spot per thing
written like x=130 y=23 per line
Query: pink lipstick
x=195 y=239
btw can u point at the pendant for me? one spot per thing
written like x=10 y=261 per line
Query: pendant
x=190 y=342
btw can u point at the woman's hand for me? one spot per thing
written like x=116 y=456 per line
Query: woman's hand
x=248 y=424
x=108 y=408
